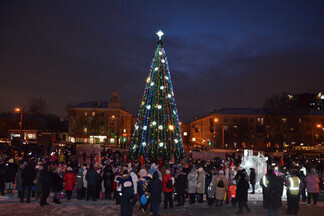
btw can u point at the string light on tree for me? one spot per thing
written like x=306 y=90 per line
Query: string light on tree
x=162 y=139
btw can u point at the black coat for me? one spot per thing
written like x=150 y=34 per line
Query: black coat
x=11 y=171
x=2 y=175
x=27 y=176
x=92 y=177
x=108 y=177
x=252 y=177
x=155 y=189
x=45 y=178
x=272 y=192
x=242 y=190
x=57 y=182
x=180 y=183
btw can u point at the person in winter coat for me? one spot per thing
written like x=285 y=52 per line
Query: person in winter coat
x=117 y=185
x=192 y=184
x=312 y=186
x=27 y=177
x=156 y=189
x=19 y=181
x=38 y=184
x=11 y=171
x=2 y=178
x=200 y=190
x=220 y=182
x=134 y=178
x=272 y=192
x=108 y=178
x=145 y=190
x=252 y=180
x=99 y=183
x=92 y=178
x=57 y=185
x=69 y=179
x=302 y=178
x=180 y=185
x=79 y=184
x=242 y=193
x=46 y=182
x=167 y=183
x=127 y=193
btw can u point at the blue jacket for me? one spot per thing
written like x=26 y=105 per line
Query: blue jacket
x=92 y=177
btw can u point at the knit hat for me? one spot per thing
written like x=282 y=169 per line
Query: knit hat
x=167 y=171
x=221 y=172
x=200 y=169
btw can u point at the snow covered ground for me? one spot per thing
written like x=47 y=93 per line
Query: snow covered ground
x=11 y=206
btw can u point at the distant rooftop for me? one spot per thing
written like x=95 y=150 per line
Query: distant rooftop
x=240 y=111
x=91 y=104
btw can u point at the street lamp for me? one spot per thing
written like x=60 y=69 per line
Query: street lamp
x=314 y=135
x=19 y=110
x=216 y=120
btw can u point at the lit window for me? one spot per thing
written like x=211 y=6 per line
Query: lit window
x=93 y=114
x=85 y=114
x=194 y=139
x=112 y=140
x=85 y=130
x=124 y=130
x=185 y=134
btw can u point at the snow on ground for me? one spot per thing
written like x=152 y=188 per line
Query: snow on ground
x=12 y=207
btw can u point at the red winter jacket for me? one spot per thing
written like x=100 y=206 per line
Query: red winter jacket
x=69 y=179
x=164 y=183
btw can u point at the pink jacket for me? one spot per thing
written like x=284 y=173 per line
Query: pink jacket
x=312 y=183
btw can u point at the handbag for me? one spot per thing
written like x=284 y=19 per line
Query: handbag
x=132 y=200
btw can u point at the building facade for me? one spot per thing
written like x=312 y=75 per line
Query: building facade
x=256 y=129
x=100 y=122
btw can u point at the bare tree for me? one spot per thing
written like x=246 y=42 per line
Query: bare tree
x=38 y=106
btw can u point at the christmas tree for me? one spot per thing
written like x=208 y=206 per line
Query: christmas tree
x=157 y=134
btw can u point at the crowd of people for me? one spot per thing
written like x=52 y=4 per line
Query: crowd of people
x=113 y=175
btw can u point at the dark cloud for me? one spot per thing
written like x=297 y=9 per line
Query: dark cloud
x=221 y=53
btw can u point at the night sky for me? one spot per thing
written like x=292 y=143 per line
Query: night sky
x=220 y=53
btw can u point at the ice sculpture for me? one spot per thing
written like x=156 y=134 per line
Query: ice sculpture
x=259 y=163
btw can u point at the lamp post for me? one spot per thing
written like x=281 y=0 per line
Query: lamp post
x=19 y=110
x=318 y=126
x=216 y=120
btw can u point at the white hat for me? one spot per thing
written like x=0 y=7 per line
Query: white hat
x=221 y=172
x=167 y=171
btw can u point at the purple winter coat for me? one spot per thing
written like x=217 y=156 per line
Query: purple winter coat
x=312 y=183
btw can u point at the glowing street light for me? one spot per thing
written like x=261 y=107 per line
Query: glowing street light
x=19 y=110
